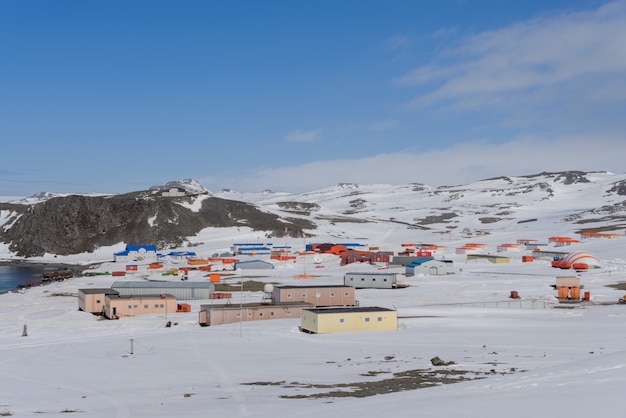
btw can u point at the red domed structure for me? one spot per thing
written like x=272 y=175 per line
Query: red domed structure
x=581 y=260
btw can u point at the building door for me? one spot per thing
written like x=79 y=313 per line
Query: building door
x=114 y=314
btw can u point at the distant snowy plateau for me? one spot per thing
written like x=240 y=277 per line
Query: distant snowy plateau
x=382 y=215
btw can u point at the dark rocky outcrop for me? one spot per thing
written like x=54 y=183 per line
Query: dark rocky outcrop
x=76 y=224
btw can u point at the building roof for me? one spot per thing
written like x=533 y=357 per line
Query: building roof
x=163 y=285
x=139 y=247
x=154 y=296
x=99 y=290
x=312 y=286
x=350 y=309
x=488 y=256
x=420 y=260
x=237 y=306
x=370 y=273
x=267 y=264
x=181 y=254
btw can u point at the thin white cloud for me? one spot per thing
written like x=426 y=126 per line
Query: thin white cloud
x=459 y=164
x=397 y=42
x=303 y=136
x=444 y=32
x=568 y=50
x=381 y=126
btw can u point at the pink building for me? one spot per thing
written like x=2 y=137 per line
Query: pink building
x=331 y=295
x=118 y=306
x=93 y=300
x=230 y=313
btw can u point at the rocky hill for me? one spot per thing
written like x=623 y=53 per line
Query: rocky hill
x=572 y=201
x=75 y=224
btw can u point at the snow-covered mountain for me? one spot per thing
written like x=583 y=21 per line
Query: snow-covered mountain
x=564 y=200
x=563 y=203
x=189 y=186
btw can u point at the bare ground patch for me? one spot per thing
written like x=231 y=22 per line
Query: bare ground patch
x=397 y=382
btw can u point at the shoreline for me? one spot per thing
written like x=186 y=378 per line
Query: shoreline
x=38 y=263
x=45 y=267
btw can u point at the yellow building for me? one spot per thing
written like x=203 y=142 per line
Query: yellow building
x=342 y=319
x=496 y=259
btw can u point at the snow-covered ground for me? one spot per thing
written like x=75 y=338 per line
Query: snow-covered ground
x=528 y=357
x=535 y=357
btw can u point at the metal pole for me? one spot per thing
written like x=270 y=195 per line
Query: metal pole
x=241 y=310
x=131 y=326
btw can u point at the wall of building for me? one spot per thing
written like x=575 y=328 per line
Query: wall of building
x=180 y=290
x=211 y=315
x=370 y=280
x=317 y=296
x=126 y=306
x=321 y=323
x=93 y=300
x=432 y=267
x=92 y=303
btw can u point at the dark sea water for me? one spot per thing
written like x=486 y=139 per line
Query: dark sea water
x=13 y=276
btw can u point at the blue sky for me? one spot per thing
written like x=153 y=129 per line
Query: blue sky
x=117 y=96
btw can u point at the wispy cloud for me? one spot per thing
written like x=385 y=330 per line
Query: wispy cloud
x=8 y=173
x=397 y=42
x=384 y=125
x=303 y=136
x=458 y=164
x=444 y=32
x=550 y=57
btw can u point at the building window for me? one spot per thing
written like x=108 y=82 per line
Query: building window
x=271 y=313
x=156 y=305
x=161 y=305
x=135 y=306
x=332 y=294
x=145 y=306
x=260 y=314
x=341 y=320
x=288 y=295
x=238 y=315
x=367 y=319
x=304 y=296
x=346 y=294
x=379 y=319
x=249 y=314
x=130 y=307
x=384 y=280
x=97 y=300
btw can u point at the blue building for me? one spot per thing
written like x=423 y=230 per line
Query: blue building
x=137 y=253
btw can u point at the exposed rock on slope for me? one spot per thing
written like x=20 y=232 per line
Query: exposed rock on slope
x=75 y=224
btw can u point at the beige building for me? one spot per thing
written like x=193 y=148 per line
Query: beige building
x=495 y=259
x=118 y=306
x=227 y=314
x=93 y=300
x=330 y=295
x=326 y=320
x=567 y=281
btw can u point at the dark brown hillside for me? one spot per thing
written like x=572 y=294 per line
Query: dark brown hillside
x=75 y=224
